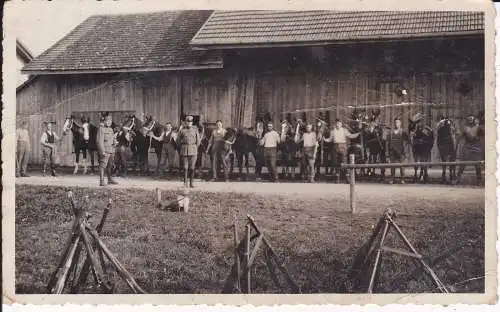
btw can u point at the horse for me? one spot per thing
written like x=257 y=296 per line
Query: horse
x=288 y=149
x=422 y=141
x=245 y=143
x=139 y=144
x=372 y=140
x=447 y=146
x=79 y=142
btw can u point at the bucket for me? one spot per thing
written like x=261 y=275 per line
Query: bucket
x=183 y=202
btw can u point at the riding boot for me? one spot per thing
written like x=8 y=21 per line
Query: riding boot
x=53 y=171
x=84 y=166
x=110 y=179
x=101 y=177
x=191 y=176
x=76 y=168
x=185 y=177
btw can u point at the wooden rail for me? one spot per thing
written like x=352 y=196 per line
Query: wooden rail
x=353 y=166
x=415 y=164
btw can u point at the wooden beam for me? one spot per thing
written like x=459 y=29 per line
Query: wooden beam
x=117 y=70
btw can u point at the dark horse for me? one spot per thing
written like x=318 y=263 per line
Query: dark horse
x=80 y=145
x=373 y=138
x=245 y=143
x=139 y=144
x=288 y=149
x=152 y=126
x=446 y=143
x=422 y=141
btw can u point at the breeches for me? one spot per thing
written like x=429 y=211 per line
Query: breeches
x=339 y=153
x=106 y=161
x=189 y=161
x=48 y=155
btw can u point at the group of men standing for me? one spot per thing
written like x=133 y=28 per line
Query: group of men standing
x=112 y=143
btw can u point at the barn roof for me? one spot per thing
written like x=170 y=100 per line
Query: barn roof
x=226 y=29
x=23 y=52
x=125 y=43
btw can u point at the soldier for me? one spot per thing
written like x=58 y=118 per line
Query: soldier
x=309 y=150
x=396 y=144
x=23 y=150
x=472 y=147
x=106 y=147
x=49 y=149
x=189 y=141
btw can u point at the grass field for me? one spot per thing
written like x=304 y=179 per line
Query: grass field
x=316 y=238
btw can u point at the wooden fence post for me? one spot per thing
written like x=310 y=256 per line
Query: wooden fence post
x=352 y=181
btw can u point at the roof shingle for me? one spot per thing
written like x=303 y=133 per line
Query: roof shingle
x=150 y=41
x=233 y=28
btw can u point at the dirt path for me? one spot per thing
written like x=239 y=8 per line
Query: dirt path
x=317 y=190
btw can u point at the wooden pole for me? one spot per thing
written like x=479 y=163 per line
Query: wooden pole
x=86 y=265
x=237 y=258
x=247 y=258
x=377 y=258
x=431 y=272
x=65 y=269
x=119 y=268
x=352 y=182
x=158 y=197
x=69 y=242
x=415 y=164
x=90 y=253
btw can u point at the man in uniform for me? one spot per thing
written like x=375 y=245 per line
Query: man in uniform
x=105 y=148
x=310 y=146
x=189 y=140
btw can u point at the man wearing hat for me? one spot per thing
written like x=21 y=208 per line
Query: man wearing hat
x=106 y=148
x=189 y=140
x=48 y=140
x=23 y=149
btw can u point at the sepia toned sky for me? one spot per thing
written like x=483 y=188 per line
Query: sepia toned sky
x=40 y=24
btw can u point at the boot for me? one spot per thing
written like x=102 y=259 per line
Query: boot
x=76 y=168
x=111 y=180
x=84 y=166
x=185 y=178
x=191 y=176
x=53 y=172
x=101 y=177
x=44 y=170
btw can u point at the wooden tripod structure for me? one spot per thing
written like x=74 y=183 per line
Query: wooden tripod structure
x=375 y=247
x=85 y=238
x=244 y=257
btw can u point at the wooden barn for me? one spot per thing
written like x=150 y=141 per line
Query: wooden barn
x=235 y=65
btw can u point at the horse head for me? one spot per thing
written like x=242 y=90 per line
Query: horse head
x=149 y=123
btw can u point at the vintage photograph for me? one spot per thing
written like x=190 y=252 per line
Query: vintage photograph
x=252 y=152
